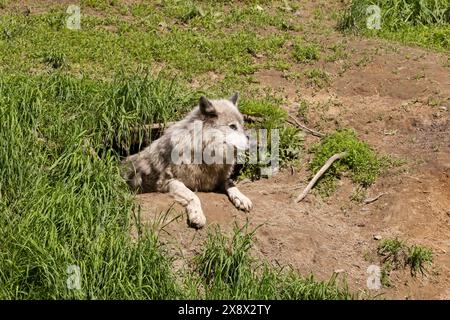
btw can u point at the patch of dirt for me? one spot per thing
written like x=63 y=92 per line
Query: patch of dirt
x=397 y=98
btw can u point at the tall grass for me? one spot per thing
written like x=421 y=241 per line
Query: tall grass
x=60 y=205
x=228 y=271
x=63 y=202
x=424 y=22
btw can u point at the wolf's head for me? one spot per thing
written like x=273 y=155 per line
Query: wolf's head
x=223 y=117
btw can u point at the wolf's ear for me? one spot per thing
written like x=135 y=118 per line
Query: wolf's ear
x=235 y=98
x=206 y=107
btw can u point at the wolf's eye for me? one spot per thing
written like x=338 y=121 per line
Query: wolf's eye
x=233 y=126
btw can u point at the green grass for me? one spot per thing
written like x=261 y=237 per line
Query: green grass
x=421 y=22
x=363 y=164
x=317 y=78
x=396 y=254
x=269 y=116
x=62 y=206
x=227 y=270
x=303 y=109
x=189 y=39
x=305 y=53
x=418 y=257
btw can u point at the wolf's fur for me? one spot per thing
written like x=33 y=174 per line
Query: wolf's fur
x=153 y=169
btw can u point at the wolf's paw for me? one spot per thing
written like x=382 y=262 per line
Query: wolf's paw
x=196 y=217
x=239 y=200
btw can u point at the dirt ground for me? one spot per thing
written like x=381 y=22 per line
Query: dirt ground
x=397 y=99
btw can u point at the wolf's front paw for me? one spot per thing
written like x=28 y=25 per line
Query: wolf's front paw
x=239 y=200
x=195 y=215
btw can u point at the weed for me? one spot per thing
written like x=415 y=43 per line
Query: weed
x=359 y=194
x=305 y=53
x=398 y=255
x=317 y=78
x=303 y=109
x=271 y=117
x=338 y=53
x=385 y=275
x=393 y=251
x=362 y=162
x=417 y=258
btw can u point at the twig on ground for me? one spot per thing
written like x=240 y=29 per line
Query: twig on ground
x=252 y=119
x=161 y=126
x=370 y=200
x=153 y=126
x=305 y=128
x=319 y=174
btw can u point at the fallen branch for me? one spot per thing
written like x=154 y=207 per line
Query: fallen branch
x=153 y=126
x=252 y=119
x=370 y=200
x=305 y=128
x=161 y=126
x=319 y=174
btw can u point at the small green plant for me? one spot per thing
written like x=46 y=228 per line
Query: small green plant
x=417 y=258
x=338 y=53
x=305 y=53
x=191 y=11
x=359 y=194
x=270 y=117
x=362 y=162
x=386 y=270
x=290 y=145
x=317 y=78
x=303 y=109
x=396 y=254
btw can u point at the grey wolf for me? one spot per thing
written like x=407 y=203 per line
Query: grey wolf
x=185 y=159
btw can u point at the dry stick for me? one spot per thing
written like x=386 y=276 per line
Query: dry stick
x=160 y=126
x=319 y=174
x=153 y=126
x=370 y=200
x=252 y=119
x=305 y=128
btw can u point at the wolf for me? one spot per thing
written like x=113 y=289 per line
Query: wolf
x=197 y=153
